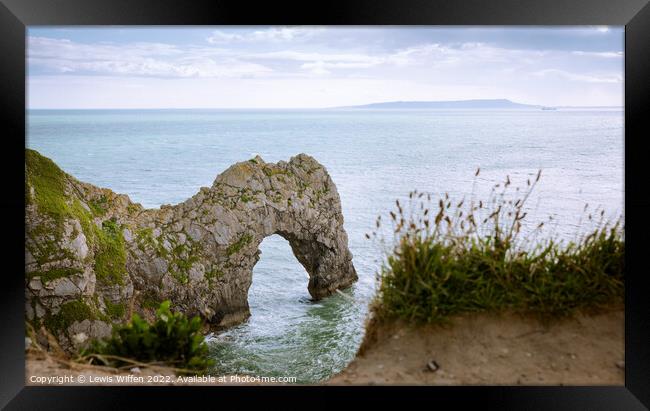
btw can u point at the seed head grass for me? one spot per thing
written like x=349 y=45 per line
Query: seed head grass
x=449 y=257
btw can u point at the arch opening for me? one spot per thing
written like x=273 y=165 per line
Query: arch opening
x=278 y=276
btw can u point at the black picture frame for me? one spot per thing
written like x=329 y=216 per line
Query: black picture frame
x=16 y=15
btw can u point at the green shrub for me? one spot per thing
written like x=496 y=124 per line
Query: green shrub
x=172 y=339
x=449 y=257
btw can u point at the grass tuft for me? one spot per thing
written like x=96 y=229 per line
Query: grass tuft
x=450 y=257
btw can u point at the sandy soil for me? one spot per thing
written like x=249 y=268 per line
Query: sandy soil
x=481 y=349
x=494 y=350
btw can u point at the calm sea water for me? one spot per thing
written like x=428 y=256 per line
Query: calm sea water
x=374 y=157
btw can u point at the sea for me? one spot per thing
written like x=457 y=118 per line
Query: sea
x=374 y=157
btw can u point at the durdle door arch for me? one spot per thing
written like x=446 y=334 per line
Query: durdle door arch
x=92 y=253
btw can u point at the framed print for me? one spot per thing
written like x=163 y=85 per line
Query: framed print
x=391 y=200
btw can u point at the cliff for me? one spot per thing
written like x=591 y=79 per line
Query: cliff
x=93 y=257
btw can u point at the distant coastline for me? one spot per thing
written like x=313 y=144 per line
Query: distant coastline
x=464 y=104
x=374 y=106
x=473 y=104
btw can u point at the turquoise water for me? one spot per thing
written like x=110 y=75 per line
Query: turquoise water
x=374 y=157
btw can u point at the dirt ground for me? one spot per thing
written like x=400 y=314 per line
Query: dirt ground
x=494 y=350
x=485 y=349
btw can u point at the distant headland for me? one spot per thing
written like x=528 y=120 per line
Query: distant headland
x=500 y=103
x=457 y=104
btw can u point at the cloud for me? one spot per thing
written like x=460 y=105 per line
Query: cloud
x=323 y=67
x=66 y=49
x=304 y=55
x=168 y=60
x=315 y=56
x=601 y=54
x=467 y=53
x=321 y=63
x=589 y=78
x=273 y=34
x=425 y=55
x=137 y=59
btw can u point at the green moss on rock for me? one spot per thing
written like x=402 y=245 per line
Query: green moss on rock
x=180 y=276
x=54 y=273
x=110 y=256
x=99 y=206
x=183 y=256
x=42 y=240
x=150 y=301
x=145 y=240
x=85 y=219
x=133 y=208
x=115 y=310
x=239 y=244
x=213 y=275
x=69 y=313
x=48 y=182
x=272 y=171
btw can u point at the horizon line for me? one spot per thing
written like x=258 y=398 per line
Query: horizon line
x=296 y=108
x=354 y=106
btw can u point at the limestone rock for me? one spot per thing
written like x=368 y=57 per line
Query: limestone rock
x=86 y=330
x=90 y=246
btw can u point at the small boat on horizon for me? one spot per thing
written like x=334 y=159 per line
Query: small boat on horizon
x=549 y=108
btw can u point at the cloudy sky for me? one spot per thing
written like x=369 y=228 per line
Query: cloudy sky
x=311 y=67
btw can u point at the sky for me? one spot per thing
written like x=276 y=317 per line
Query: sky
x=317 y=67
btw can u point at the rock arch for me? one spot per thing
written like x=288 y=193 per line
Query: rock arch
x=93 y=247
x=219 y=230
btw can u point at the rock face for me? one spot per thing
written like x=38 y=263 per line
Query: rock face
x=92 y=257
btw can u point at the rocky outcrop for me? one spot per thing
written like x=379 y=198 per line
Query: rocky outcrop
x=92 y=256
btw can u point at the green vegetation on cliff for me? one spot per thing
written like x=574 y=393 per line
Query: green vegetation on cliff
x=49 y=188
x=99 y=206
x=48 y=182
x=115 y=310
x=69 y=312
x=172 y=339
x=239 y=244
x=181 y=256
x=110 y=255
x=448 y=259
x=53 y=274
